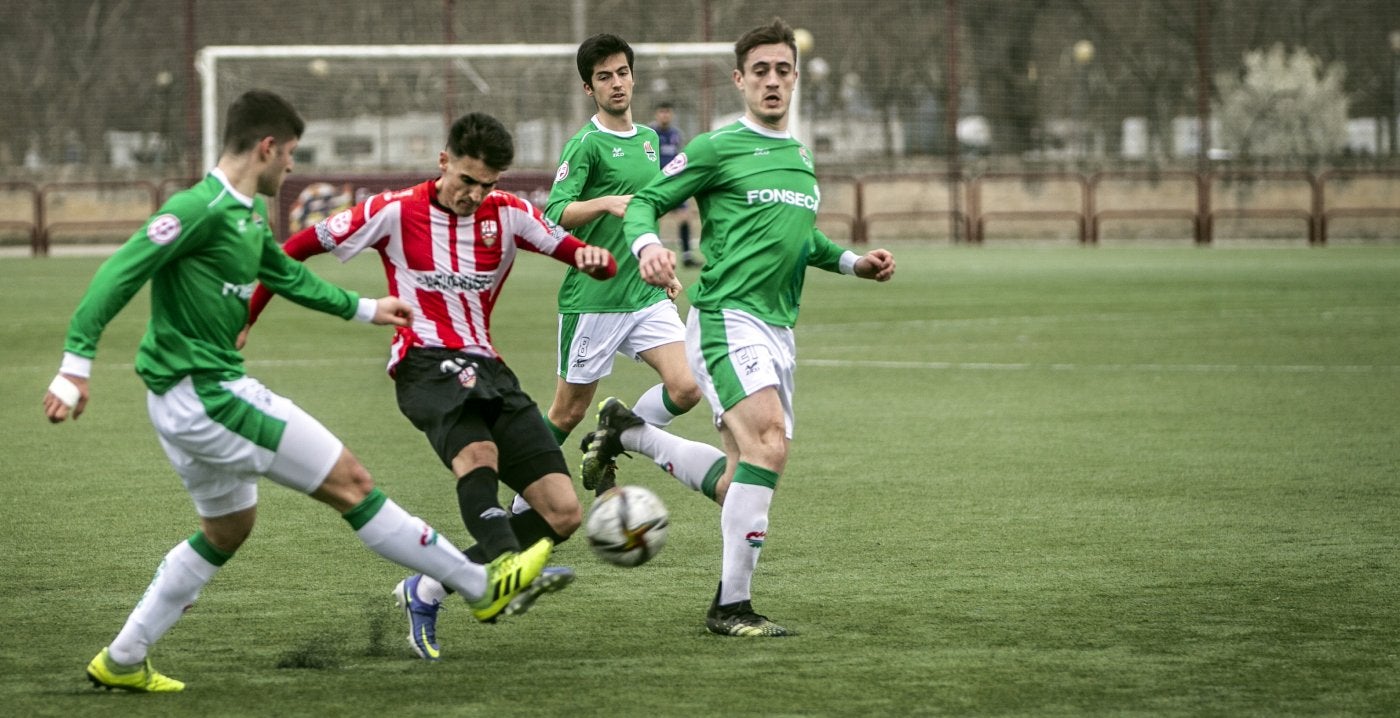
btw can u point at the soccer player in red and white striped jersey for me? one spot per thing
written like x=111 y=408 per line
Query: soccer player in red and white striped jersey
x=447 y=246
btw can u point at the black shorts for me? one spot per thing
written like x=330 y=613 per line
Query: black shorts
x=458 y=399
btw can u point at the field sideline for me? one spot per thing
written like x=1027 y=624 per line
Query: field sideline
x=1026 y=481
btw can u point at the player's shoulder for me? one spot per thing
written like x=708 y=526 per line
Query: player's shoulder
x=499 y=199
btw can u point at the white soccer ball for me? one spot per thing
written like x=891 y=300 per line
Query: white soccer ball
x=627 y=525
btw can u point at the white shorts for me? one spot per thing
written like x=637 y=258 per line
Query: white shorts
x=588 y=342
x=222 y=436
x=734 y=354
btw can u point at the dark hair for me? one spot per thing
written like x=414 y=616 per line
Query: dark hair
x=596 y=49
x=482 y=136
x=257 y=114
x=665 y=105
x=770 y=34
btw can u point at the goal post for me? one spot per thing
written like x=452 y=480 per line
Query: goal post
x=522 y=84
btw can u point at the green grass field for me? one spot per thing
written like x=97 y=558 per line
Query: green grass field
x=1042 y=482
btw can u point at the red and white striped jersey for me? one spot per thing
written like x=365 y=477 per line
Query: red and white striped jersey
x=448 y=267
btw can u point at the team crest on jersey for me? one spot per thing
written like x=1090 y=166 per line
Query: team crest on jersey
x=163 y=229
x=649 y=150
x=561 y=173
x=806 y=158
x=490 y=231
x=675 y=166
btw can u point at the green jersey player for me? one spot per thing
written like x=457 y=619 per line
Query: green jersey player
x=204 y=252
x=756 y=189
x=601 y=167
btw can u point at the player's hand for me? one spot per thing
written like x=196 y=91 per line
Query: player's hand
x=658 y=266
x=877 y=264
x=673 y=290
x=392 y=310
x=242 y=339
x=616 y=205
x=596 y=262
x=58 y=408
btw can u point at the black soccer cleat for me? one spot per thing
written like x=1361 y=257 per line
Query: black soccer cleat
x=603 y=445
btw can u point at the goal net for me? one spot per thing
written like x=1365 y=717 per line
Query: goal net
x=384 y=108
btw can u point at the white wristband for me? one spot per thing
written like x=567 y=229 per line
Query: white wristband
x=642 y=242
x=75 y=365
x=66 y=391
x=366 y=309
x=848 y=262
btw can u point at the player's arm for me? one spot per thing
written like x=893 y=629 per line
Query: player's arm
x=537 y=234
x=300 y=247
x=564 y=207
x=166 y=236
x=877 y=264
x=289 y=277
x=690 y=172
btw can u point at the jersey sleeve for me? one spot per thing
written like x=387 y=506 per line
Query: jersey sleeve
x=282 y=272
x=172 y=232
x=825 y=254
x=691 y=171
x=569 y=180
x=532 y=231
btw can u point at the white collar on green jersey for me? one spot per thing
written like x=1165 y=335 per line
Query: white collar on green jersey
x=760 y=129
x=246 y=200
x=615 y=133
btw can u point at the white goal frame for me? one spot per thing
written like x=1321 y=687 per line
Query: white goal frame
x=208 y=58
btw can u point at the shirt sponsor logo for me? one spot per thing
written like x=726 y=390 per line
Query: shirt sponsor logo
x=675 y=166
x=617 y=152
x=761 y=152
x=562 y=172
x=452 y=282
x=783 y=196
x=163 y=229
x=649 y=150
x=490 y=231
x=242 y=291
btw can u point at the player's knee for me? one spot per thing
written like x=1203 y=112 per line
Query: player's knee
x=685 y=394
x=348 y=483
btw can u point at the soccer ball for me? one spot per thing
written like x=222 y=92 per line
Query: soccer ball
x=627 y=526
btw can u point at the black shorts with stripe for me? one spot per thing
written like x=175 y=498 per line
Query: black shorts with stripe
x=458 y=399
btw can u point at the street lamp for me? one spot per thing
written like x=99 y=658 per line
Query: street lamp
x=1083 y=54
x=1394 y=92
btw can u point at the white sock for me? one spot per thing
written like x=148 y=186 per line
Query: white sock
x=519 y=505
x=410 y=542
x=743 y=522
x=177 y=583
x=431 y=590
x=689 y=461
x=652 y=408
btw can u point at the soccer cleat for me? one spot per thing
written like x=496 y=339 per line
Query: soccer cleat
x=552 y=579
x=141 y=679
x=603 y=445
x=507 y=576
x=422 y=618
x=739 y=619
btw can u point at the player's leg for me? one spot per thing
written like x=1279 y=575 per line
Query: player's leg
x=568 y=408
x=586 y=345
x=454 y=399
x=658 y=338
x=745 y=366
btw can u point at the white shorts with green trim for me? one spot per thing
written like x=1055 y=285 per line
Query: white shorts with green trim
x=588 y=342
x=734 y=354
x=222 y=436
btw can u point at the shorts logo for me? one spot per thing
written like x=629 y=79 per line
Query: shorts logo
x=748 y=359
x=466 y=373
x=756 y=538
x=339 y=224
x=675 y=166
x=163 y=229
x=561 y=173
x=490 y=231
x=581 y=356
x=649 y=150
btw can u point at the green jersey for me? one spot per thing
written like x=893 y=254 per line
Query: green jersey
x=203 y=252
x=598 y=162
x=757 y=194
